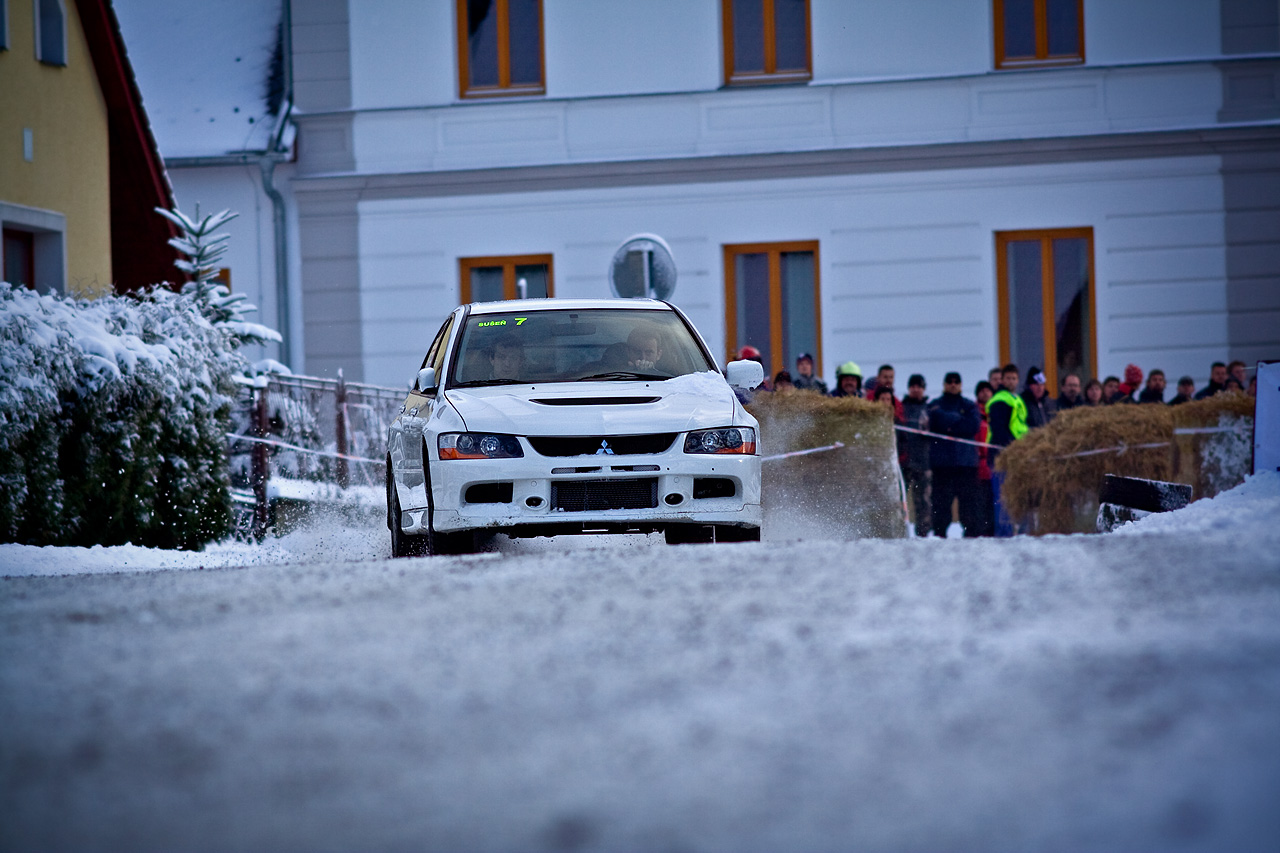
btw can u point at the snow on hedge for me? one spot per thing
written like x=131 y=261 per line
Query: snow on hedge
x=112 y=418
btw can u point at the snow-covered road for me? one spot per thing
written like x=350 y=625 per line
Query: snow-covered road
x=1115 y=692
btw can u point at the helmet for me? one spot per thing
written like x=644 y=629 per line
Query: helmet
x=849 y=368
x=748 y=352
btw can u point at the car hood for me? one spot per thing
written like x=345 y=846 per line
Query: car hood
x=695 y=401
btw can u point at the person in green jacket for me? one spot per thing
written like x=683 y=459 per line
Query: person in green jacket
x=1007 y=422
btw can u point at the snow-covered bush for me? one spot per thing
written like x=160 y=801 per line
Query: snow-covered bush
x=112 y=420
x=114 y=412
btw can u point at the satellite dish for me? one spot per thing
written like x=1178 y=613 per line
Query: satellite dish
x=643 y=267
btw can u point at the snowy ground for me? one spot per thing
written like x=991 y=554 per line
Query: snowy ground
x=1115 y=692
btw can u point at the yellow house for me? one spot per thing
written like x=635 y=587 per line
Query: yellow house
x=79 y=171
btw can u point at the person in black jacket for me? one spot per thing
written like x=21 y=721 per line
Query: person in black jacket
x=1186 y=391
x=914 y=453
x=1217 y=381
x=1069 y=395
x=1040 y=407
x=954 y=463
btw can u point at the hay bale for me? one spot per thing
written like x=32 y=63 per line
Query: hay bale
x=1213 y=462
x=851 y=492
x=1046 y=482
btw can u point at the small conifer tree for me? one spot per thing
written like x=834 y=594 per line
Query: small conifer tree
x=204 y=250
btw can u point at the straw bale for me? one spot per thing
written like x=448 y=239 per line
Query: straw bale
x=850 y=492
x=1046 y=483
x=1214 y=462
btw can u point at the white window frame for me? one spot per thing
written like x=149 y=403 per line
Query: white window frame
x=50 y=244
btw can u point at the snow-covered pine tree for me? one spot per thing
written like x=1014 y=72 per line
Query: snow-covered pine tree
x=204 y=250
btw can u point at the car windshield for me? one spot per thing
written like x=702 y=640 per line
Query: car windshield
x=604 y=344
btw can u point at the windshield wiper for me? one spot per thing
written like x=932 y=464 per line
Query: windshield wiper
x=621 y=374
x=484 y=383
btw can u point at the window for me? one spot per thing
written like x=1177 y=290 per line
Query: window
x=500 y=48
x=772 y=302
x=512 y=277
x=1039 y=32
x=766 y=41
x=51 y=32
x=34 y=253
x=1046 y=295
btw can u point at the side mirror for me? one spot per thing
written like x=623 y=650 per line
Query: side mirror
x=427 y=379
x=744 y=374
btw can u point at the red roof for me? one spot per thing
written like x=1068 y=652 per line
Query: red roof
x=140 y=250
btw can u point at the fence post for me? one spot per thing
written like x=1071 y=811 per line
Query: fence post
x=344 y=476
x=261 y=466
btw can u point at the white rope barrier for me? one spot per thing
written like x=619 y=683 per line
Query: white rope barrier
x=296 y=448
x=1122 y=448
x=945 y=437
x=838 y=444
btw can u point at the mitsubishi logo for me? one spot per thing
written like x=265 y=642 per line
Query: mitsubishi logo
x=605 y=449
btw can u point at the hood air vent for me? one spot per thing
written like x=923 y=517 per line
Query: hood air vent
x=594 y=401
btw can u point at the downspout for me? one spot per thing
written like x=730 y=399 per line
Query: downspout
x=283 y=318
x=267 y=164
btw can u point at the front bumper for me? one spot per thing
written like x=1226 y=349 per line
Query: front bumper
x=690 y=489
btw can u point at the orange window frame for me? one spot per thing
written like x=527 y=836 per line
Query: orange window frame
x=774 y=251
x=505 y=88
x=770 y=72
x=1047 y=316
x=508 y=264
x=1042 y=56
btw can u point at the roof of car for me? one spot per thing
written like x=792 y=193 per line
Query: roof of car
x=557 y=304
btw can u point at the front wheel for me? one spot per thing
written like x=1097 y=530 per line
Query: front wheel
x=403 y=544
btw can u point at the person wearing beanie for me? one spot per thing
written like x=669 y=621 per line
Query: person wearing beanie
x=804 y=379
x=914 y=453
x=848 y=380
x=1040 y=408
x=1132 y=382
x=954 y=463
x=1186 y=391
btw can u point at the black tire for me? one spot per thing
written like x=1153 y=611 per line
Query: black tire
x=729 y=533
x=402 y=544
x=1149 y=495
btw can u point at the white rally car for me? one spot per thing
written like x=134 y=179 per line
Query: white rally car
x=540 y=417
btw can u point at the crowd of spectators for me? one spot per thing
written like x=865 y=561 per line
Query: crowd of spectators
x=948 y=445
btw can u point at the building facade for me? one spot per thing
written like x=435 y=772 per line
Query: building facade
x=79 y=172
x=1078 y=184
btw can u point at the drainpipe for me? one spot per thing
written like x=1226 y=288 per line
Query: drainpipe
x=283 y=318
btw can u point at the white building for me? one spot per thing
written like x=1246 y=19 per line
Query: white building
x=938 y=185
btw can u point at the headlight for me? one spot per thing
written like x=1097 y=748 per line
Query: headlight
x=478 y=445
x=727 y=440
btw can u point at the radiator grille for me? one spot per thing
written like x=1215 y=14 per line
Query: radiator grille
x=589 y=495
x=589 y=445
